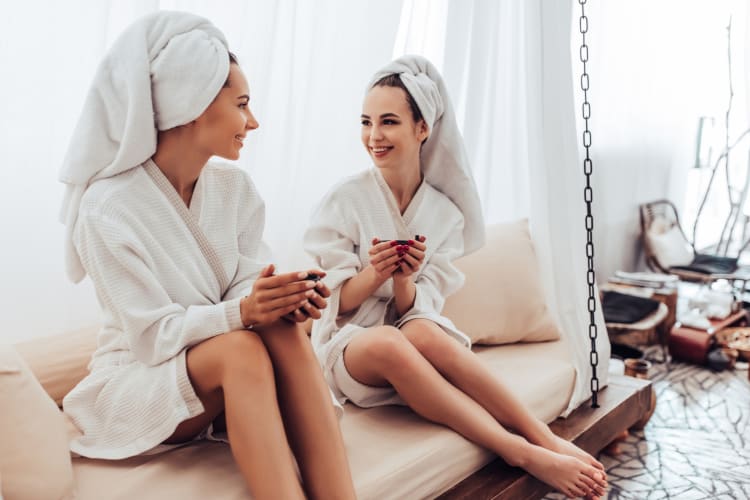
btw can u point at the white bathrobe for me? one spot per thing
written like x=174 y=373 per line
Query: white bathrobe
x=359 y=209
x=159 y=296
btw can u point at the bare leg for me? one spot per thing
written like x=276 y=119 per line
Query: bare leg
x=233 y=372
x=466 y=371
x=309 y=416
x=383 y=356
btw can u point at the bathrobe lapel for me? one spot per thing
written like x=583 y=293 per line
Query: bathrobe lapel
x=401 y=221
x=190 y=216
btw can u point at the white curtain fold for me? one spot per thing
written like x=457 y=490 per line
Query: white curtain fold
x=557 y=180
x=509 y=70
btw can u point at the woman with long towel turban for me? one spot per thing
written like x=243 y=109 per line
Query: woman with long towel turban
x=387 y=238
x=196 y=329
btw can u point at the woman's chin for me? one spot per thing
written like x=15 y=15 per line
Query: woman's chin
x=233 y=155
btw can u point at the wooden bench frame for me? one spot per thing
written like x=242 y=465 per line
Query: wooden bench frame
x=621 y=404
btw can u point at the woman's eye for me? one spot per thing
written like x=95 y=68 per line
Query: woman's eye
x=365 y=123
x=390 y=122
x=243 y=105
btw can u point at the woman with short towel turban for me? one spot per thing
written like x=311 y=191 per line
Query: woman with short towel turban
x=387 y=238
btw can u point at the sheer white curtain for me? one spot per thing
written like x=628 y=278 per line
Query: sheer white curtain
x=508 y=68
x=307 y=65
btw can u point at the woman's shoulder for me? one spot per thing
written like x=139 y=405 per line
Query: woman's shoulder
x=352 y=186
x=228 y=178
x=223 y=169
x=113 y=194
x=437 y=200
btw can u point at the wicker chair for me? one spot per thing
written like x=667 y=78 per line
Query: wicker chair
x=704 y=268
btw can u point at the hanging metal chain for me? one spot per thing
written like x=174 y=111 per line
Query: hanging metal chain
x=583 y=26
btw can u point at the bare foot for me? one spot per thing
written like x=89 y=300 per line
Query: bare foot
x=568 y=475
x=565 y=447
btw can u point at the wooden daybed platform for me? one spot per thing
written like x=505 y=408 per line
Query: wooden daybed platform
x=622 y=403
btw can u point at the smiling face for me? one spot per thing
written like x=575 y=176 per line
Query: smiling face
x=222 y=127
x=389 y=133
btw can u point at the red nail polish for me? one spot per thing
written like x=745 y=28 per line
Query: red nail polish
x=411 y=242
x=394 y=243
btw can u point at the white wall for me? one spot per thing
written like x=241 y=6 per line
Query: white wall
x=656 y=66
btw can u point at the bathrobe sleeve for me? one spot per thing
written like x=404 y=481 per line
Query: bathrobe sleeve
x=156 y=328
x=254 y=254
x=333 y=241
x=439 y=278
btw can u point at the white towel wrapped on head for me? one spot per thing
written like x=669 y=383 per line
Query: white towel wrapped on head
x=162 y=72
x=445 y=164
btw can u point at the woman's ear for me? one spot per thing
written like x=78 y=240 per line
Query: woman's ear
x=423 y=132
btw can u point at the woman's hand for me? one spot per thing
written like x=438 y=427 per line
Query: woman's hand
x=273 y=297
x=314 y=305
x=384 y=258
x=412 y=256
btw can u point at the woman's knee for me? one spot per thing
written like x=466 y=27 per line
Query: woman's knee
x=389 y=349
x=283 y=331
x=236 y=355
x=431 y=340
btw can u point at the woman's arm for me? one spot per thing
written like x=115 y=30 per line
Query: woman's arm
x=404 y=293
x=384 y=260
x=135 y=301
x=254 y=255
x=438 y=278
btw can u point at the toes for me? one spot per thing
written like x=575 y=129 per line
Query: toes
x=597 y=475
x=578 y=491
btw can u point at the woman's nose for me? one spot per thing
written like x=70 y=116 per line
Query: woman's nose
x=251 y=123
x=375 y=133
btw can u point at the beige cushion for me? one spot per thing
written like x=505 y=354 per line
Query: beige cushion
x=59 y=362
x=34 y=457
x=502 y=301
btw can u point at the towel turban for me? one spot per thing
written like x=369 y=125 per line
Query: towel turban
x=445 y=164
x=163 y=71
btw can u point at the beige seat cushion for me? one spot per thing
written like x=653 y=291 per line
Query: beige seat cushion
x=502 y=301
x=34 y=457
x=394 y=454
x=59 y=362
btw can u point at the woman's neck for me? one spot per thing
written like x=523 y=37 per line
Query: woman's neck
x=179 y=161
x=403 y=183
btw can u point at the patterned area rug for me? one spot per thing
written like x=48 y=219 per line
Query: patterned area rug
x=697 y=443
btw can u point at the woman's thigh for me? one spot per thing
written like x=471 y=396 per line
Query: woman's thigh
x=433 y=342
x=207 y=367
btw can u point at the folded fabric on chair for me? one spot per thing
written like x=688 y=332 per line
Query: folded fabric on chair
x=711 y=264
x=623 y=308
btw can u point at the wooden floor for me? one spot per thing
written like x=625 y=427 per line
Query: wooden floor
x=622 y=403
